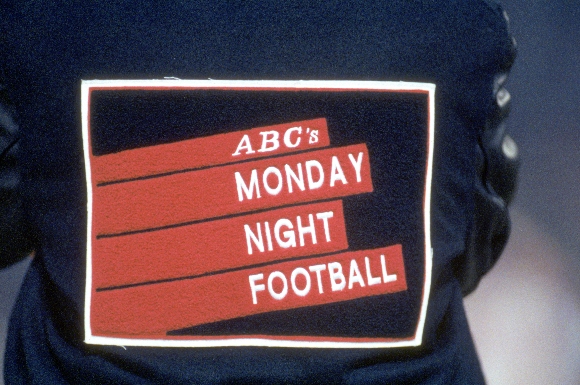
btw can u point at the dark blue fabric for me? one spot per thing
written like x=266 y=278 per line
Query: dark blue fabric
x=49 y=46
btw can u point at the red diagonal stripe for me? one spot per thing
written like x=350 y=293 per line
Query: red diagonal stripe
x=232 y=189
x=150 y=311
x=211 y=150
x=218 y=245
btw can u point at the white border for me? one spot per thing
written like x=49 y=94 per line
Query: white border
x=172 y=83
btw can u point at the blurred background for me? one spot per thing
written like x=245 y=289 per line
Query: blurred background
x=525 y=315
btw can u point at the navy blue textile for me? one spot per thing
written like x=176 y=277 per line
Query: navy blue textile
x=49 y=46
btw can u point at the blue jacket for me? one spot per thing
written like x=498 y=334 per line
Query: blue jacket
x=50 y=46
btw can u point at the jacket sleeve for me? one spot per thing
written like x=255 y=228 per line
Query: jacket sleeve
x=15 y=243
x=495 y=184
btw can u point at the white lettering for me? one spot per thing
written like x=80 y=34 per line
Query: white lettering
x=243 y=188
x=370 y=279
x=355 y=275
x=273 y=178
x=317 y=269
x=301 y=279
x=357 y=164
x=324 y=217
x=306 y=230
x=298 y=179
x=313 y=137
x=250 y=236
x=287 y=142
x=244 y=145
x=336 y=172
x=276 y=190
x=271 y=138
x=290 y=238
x=337 y=279
x=256 y=288
x=386 y=277
x=281 y=294
x=287 y=233
x=304 y=272
x=268 y=236
x=312 y=185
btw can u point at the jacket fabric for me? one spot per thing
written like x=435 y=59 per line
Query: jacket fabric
x=49 y=47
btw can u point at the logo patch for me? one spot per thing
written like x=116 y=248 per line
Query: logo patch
x=257 y=213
